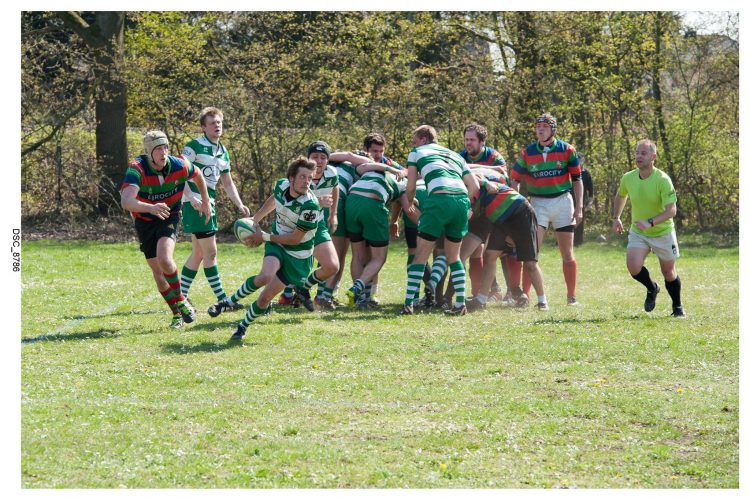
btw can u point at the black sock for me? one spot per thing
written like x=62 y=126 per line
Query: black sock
x=673 y=287
x=427 y=274
x=644 y=278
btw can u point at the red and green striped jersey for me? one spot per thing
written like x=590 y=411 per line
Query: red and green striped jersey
x=497 y=207
x=548 y=171
x=159 y=187
x=487 y=156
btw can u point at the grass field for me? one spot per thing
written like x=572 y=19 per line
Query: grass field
x=603 y=395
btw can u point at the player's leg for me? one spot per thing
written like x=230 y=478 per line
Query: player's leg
x=456 y=226
x=165 y=258
x=476 y=263
x=165 y=291
x=259 y=307
x=666 y=249
x=271 y=264
x=190 y=268
x=359 y=261
x=564 y=237
x=637 y=251
x=378 y=256
x=480 y=299
x=341 y=244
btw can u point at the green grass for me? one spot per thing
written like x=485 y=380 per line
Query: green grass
x=599 y=396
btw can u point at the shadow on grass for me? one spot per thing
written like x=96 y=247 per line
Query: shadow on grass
x=178 y=348
x=67 y=337
x=80 y=317
x=575 y=321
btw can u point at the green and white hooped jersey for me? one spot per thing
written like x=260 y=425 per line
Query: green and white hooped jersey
x=385 y=186
x=324 y=186
x=212 y=160
x=302 y=212
x=326 y=183
x=347 y=176
x=441 y=168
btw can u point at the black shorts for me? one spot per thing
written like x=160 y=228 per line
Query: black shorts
x=410 y=233
x=521 y=228
x=204 y=235
x=150 y=232
x=480 y=227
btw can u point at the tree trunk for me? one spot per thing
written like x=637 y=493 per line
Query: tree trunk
x=106 y=38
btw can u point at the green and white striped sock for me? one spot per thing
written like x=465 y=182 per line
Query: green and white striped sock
x=186 y=279
x=212 y=275
x=458 y=278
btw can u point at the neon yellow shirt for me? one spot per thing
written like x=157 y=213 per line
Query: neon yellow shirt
x=648 y=197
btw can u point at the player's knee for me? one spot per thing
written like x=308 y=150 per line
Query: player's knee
x=209 y=257
x=166 y=264
x=263 y=279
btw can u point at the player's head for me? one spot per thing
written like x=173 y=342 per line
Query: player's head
x=319 y=151
x=375 y=145
x=156 y=146
x=212 y=122
x=645 y=153
x=545 y=126
x=300 y=172
x=424 y=134
x=474 y=138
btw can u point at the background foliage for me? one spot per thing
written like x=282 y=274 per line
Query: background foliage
x=287 y=78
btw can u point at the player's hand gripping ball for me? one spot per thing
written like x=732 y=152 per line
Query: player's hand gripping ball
x=244 y=227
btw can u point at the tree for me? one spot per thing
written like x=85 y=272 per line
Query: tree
x=104 y=36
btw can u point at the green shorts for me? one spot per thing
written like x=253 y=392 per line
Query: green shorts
x=366 y=218
x=445 y=213
x=293 y=271
x=341 y=216
x=420 y=198
x=321 y=234
x=194 y=222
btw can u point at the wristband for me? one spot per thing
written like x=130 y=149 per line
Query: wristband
x=651 y=221
x=266 y=236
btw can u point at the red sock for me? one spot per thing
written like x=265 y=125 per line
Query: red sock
x=570 y=270
x=526 y=282
x=170 y=299
x=174 y=283
x=514 y=272
x=476 y=264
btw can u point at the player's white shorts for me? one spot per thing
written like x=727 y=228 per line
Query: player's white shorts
x=665 y=247
x=554 y=212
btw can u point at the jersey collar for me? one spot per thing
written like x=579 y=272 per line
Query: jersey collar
x=552 y=145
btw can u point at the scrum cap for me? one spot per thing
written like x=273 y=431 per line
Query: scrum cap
x=319 y=147
x=154 y=139
x=549 y=120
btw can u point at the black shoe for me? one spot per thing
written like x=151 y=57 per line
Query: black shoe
x=678 y=312
x=363 y=303
x=521 y=301
x=429 y=297
x=302 y=296
x=474 y=305
x=187 y=312
x=221 y=306
x=407 y=310
x=456 y=310
x=650 y=302
x=324 y=304
x=236 y=306
x=238 y=334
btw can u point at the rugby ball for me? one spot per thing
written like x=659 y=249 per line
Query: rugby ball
x=244 y=227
